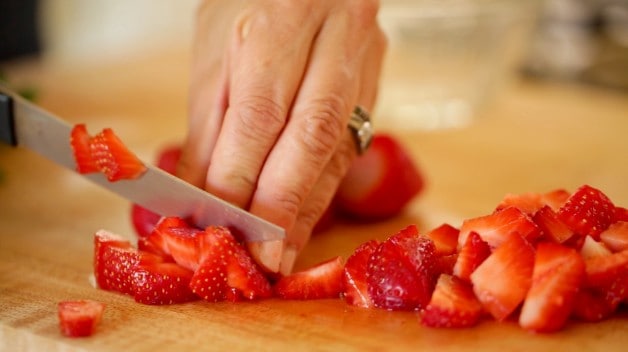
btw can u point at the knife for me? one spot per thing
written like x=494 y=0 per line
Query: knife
x=26 y=125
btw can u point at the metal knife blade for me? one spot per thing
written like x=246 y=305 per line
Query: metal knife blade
x=26 y=125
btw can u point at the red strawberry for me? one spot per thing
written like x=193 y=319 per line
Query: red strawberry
x=621 y=214
x=323 y=280
x=445 y=264
x=180 y=240
x=380 y=182
x=401 y=272
x=503 y=279
x=497 y=227
x=210 y=281
x=143 y=220
x=587 y=212
x=79 y=141
x=113 y=158
x=609 y=275
x=114 y=261
x=162 y=283
x=616 y=236
x=530 y=203
x=453 y=305
x=168 y=158
x=557 y=276
x=445 y=239
x=355 y=289
x=79 y=318
x=592 y=305
x=592 y=248
x=471 y=255
x=551 y=227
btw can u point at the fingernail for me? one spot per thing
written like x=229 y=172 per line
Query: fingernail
x=287 y=259
x=267 y=254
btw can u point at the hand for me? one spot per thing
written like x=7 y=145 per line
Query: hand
x=273 y=84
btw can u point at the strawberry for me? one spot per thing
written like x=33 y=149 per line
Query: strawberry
x=453 y=305
x=323 y=280
x=497 y=227
x=113 y=158
x=79 y=318
x=592 y=305
x=503 y=279
x=557 y=276
x=445 y=239
x=226 y=271
x=179 y=240
x=445 y=264
x=114 y=261
x=609 y=275
x=621 y=213
x=143 y=220
x=79 y=141
x=471 y=255
x=551 y=227
x=530 y=203
x=354 y=279
x=168 y=158
x=588 y=211
x=401 y=272
x=381 y=182
x=161 y=283
x=592 y=248
x=616 y=236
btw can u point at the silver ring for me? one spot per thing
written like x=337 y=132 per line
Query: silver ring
x=361 y=128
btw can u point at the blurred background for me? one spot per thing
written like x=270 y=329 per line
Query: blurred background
x=463 y=51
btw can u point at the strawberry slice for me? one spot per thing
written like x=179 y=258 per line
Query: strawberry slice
x=115 y=259
x=592 y=248
x=471 y=255
x=531 y=202
x=79 y=318
x=557 y=276
x=401 y=273
x=496 y=228
x=160 y=283
x=551 y=227
x=445 y=239
x=503 y=279
x=588 y=211
x=616 y=236
x=323 y=280
x=354 y=279
x=80 y=143
x=453 y=305
x=113 y=158
x=175 y=237
x=609 y=275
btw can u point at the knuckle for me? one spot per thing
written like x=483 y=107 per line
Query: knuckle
x=324 y=124
x=259 y=117
x=289 y=201
x=364 y=11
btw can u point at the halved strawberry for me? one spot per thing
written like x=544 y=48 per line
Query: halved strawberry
x=616 y=236
x=588 y=211
x=453 y=305
x=503 y=279
x=162 y=283
x=557 y=276
x=551 y=227
x=113 y=158
x=355 y=288
x=381 y=182
x=114 y=261
x=79 y=318
x=531 y=202
x=401 y=272
x=321 y=281
x=496 y=228
x=471 y=255
x=445 y=239
x=79 y=141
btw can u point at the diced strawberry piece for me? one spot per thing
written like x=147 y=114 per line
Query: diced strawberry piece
x=162 y=283
x=355 y=288
x=143 y=220
x=226 y=271
x=115 y=260
x=181 y=241
x=453 y=305
x=592 y=305
x=621 y=213
x=592 y=248
x=113 y=158
x=79 y=141
x=445 y=264
x=557 y=276
x=530 y=203
x=503 y=279
x=168 y=158
x=603 y=271
x=496 y=228
x=588 y=211
x=321 y=281
x=445 y=239
x=381 y=182
x=551 y=227
x=401 y=272
x=471 y=255
x=79 y=318
x=616 y=236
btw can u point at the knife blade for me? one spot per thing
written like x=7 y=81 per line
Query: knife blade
x=23 y=124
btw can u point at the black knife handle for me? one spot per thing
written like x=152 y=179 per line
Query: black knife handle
x=7 y=122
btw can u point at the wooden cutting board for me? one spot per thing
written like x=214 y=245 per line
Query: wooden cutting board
x=537 y=137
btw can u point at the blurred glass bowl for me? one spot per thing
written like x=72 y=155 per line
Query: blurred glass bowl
x=446 y=58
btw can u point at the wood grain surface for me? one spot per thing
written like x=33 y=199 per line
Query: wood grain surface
x=536 y=137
